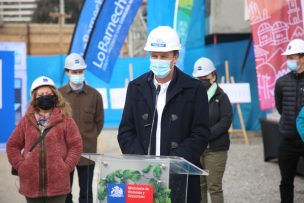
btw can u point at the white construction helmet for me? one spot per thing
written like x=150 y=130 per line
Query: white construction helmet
x=295 y=46
x=163 y=39
x=202 y=67
x=42 y=81
x=74 y=61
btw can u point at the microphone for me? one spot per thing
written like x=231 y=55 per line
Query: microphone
x=152 y=125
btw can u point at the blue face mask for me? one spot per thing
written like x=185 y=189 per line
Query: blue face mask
x=292 y=65
x=160 y=68
x=77 y=79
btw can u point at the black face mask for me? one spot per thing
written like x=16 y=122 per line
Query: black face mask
x=46 y=102
x=206 y=83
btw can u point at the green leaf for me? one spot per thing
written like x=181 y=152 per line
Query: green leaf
x=102 y=182
x=157 y=171
x=102 y=194
x=123 y=180
x=153 y=182
x=134 y=176
x=156 y=186
x=161 y=199
x=126 y=175
x=166 y=191
x=119 y=173
x=111 y=178
x=147 y=169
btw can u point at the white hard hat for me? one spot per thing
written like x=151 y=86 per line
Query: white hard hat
x=74 y=62
x=163 y=39
x=295 y=46
x=42 y=81
x=202 y=67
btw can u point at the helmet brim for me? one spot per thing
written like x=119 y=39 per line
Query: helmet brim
x=201 y=73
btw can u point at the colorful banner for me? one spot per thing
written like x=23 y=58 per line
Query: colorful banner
x=108 y=36
x=182 y=18
x=273 y=25
x=86 y=21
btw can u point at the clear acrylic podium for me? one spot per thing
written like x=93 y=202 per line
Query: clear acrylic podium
x=166 y=176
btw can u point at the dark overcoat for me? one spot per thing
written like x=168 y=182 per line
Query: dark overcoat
x=184 y=125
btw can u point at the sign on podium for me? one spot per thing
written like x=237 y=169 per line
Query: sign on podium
x=143 y=178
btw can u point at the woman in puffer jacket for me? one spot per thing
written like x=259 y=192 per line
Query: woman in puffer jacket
x=44 y=170
x=214 y=158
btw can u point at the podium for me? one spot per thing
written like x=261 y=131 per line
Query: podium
x=142 y=178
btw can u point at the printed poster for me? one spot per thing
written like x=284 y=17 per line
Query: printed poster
x=273 y=25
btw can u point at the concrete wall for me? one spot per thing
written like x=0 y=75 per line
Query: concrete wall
x=228 y=16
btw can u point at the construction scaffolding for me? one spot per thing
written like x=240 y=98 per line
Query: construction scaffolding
x=57 y=37
x=137 y=35
x=17 y=11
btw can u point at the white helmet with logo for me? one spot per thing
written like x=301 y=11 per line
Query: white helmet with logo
x=295 y=46
x=202 y=67
x=42 y=81
x=74 y=61
x=163 y=39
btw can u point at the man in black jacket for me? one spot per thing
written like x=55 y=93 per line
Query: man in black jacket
x=180 y=125
x=289 y=98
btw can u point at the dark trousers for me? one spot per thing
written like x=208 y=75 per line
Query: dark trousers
x=56 y=199
x=85 y=179
x=289 y=153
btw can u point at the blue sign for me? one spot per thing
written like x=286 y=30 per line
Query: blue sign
x=116 y=193
x=7 y=92
x=53 y=68
x=108 y=36
x=85 y=25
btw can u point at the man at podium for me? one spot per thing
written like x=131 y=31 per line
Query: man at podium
x=166 y=111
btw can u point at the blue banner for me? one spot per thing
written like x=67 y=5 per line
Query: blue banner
x=219 y=53
x=52 y=67
x=86 y=21
x=7 y=96
x=108 y=36
x=164 y=11
x=195 y=42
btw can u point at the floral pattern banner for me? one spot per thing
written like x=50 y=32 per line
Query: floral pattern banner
x=273 y=23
